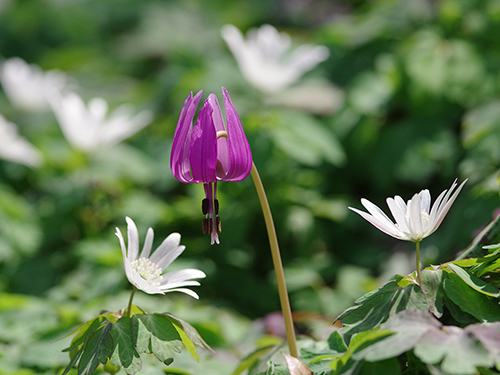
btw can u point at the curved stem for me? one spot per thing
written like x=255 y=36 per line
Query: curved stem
x=129 y=308
x=417 y=244
x=278 y=267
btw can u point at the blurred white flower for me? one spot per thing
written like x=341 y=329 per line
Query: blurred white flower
x=88 y=127
x=27 y=86
x=415 y=220
x=265 y=59
x=15 y=148
x=145 y=271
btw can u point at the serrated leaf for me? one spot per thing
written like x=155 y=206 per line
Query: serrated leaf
x=189 y=335
x=473 y=281
x=124 y=354
x=336 y=343
x=471 y=301
x=73 y=361
x=375 y=307
x=358 y=342
x=157 y=332
x=97 y=349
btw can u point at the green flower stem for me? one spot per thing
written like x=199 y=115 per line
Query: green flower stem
x=129 y=308
x=278 y=267
x=417 y=244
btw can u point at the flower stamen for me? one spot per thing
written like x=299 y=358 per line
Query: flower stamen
x=221 y=133
x=148 y=270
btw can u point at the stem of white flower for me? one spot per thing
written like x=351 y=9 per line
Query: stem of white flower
x=278 y=267
x=129 y=308
x=417 y=244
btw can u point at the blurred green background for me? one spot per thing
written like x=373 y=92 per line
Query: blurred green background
x=416 y=105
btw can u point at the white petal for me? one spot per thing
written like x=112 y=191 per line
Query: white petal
x=133 y=240
x=183 y=275
x=15 y=148
x=415 y=218
x=383 y=226
x=399 y=213
x=148 y=243
x=377 y=213
x=168 y=251
x=446 y=205
x=187 y=291
x=126 y=262
x=425 y=200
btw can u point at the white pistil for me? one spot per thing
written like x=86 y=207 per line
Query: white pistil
x=148 y=270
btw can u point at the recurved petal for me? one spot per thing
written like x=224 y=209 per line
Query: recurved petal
x=133 y=240
x=240 y=156
x=179 y=157
x=376 y=212
x=386 y=227
x=203 y=147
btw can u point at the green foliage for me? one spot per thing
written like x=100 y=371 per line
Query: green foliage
x=114 y=340
x=417 y=105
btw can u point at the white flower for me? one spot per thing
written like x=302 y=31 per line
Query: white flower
x=265 y=60
x=88 y=127
x=27 y=86
x=15 y=148
x=415 y=220
x=145 y=271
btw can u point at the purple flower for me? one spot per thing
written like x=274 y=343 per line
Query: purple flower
x=209 y=152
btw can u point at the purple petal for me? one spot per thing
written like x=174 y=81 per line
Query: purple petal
x=222 y=143
x=203 y=147
x=179 y=157
x=240 y=156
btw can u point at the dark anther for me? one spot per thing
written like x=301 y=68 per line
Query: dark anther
x=207 y=226
x=204 y=206
x=217 y=224
x=216 y=207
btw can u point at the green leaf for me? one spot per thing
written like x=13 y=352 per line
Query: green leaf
x=73 y=361
x=97 y=349
x=408 y=327
x=253 y=358
x=124 y=354
x=457 y=350
x=483 y=308
x=386 y=367
x=306 y=140
x=473 y=281
x=432 y=279
x=155 y=333
x=189 y=336
x=373 y=309
x=359 y=342
x=336 y=343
